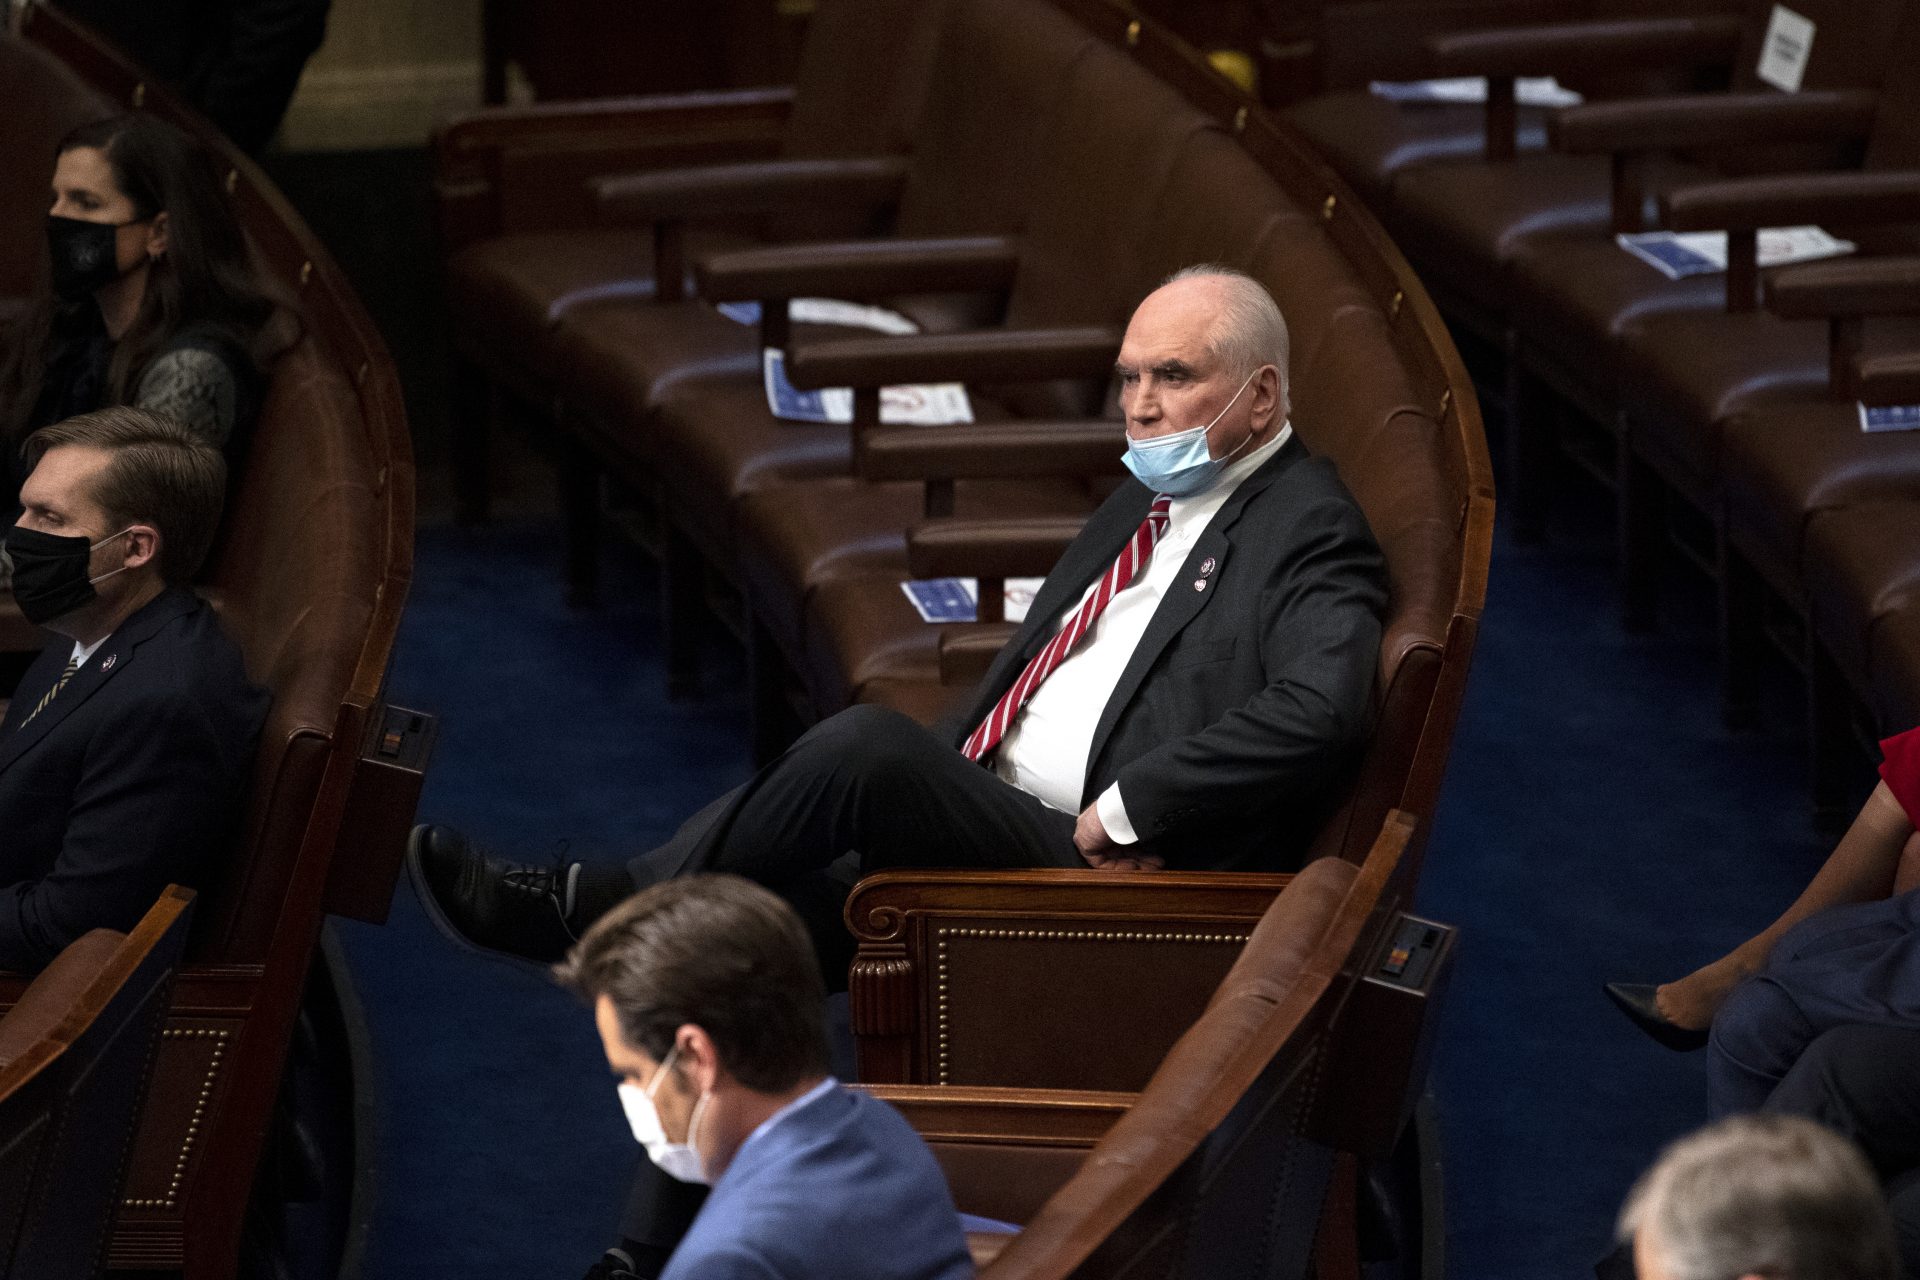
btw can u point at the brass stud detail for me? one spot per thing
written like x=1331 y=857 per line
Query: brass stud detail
x=1393 y=307
x=220 y=1038
x=1240 y=120
x=233 y=180
x=1133 y=33
x=1326 y=210
x=139 y=95
x=1043 y=935
x=306 y=273
x=360 y=374
x=1446 y=401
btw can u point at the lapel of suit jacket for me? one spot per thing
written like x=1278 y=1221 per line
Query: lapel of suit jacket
x=115 y=654
x=1086 y=558
x=1182 y=604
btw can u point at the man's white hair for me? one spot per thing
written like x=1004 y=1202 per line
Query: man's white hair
x=1249 y=330
x=1773 y=1195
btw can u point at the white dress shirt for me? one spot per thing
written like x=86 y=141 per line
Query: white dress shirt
x=81 y=652
x=1044 y=752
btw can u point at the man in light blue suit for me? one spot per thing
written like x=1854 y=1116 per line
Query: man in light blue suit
x=709 y=1004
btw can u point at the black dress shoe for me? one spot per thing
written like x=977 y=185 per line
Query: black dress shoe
x=490 y=905
x=1636 y=1000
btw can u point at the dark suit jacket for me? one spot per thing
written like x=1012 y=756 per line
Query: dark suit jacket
x=1248 y=698
x=130 y=778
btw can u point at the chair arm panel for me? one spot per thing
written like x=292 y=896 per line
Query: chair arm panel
x=1712 y=120
x=993 y=450
x=858 y=269
x=1037 y=979
x=1846 y=287
x=966 y=548
x=1569 y=48
x=1746 y=204
x=766 y=186
x=992 y=355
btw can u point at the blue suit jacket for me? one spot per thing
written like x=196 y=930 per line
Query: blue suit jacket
x=129 y=779
x=839 y=1188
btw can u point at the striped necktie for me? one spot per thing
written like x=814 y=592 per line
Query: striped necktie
x=1125 y=566
x=73 y=665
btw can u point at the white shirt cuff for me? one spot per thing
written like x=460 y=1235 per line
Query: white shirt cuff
x=1112 y=812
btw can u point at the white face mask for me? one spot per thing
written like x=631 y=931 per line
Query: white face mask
x=678 y=1160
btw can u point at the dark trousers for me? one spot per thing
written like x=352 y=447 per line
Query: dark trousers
x=1864 y=1082
x=862 y=791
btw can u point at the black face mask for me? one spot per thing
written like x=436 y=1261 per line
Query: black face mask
x=85 y=255
x=50 y=577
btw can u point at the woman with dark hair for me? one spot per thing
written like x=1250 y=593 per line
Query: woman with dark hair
x=152 y=301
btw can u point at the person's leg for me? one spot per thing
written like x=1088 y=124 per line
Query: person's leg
x=1862 y=1082
x=1757 y=1035
x=872 y=782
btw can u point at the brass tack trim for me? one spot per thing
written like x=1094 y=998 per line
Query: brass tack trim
x=306 y=273
x=233 y=180
x=942 y=1063
x=360 y=374
x=1446 y=401
x=1326 y=210
x=220 y=1038
x=1240 y=120
x=1133 y=33
x=1393 y=307
x=140 y=95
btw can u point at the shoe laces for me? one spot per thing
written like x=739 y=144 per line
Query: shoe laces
x=552 y=883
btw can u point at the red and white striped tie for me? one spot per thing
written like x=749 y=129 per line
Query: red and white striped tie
x=1125 y=566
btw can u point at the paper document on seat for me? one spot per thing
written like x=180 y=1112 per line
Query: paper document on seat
x=956 y=599
x=1677 y=254
x=932 y=404
x=1528 y=91
x=850 y=315
x=1890 y=417
x=1785 y=50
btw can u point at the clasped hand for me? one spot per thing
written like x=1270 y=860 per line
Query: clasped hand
x=1102 y=854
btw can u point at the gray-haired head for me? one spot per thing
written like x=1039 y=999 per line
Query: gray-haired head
x=1249 y=331
x=1767 y=1195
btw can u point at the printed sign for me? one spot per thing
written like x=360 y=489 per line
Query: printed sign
x=1786 y=49
x=851 y=315
x=1890 y=417
x=1677 y=255
x=930 y=404
x=956 y=599
x=1528 y=91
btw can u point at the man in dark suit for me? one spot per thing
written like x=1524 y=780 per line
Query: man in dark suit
x=1191 y=682
x=1190 y=686
x=127 y=743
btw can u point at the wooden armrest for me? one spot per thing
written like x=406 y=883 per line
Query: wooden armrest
x=1782 y=200
x=523 y=168
x=1846 y=287
x=767 y=186
x=857 y=269
x=993 y=450
x=1712 y=120
x=991 y=355
x=1888 y=379
x=1032 y=1117
x=967 y=548
x=1569 y=48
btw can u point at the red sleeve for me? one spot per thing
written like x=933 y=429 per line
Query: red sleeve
x=1900 y=769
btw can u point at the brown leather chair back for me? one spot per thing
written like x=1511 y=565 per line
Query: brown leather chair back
x=862 y=79
x=1210 y=1172
x=998 y=82
x=296 y=570
x=72 y=1096
x=41 y=101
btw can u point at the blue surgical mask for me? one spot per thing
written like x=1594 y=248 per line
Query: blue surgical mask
x=1179 y=463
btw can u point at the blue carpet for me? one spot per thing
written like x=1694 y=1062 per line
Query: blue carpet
x=1598 y=823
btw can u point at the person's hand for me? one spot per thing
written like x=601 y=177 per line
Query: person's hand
x=1101 y=853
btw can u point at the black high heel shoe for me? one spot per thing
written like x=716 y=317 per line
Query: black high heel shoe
x=1636 y=1000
